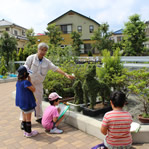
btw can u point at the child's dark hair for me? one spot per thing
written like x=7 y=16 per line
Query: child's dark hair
x=22 y=73
x=52 y=102
x=22 y=77
x=118 y=98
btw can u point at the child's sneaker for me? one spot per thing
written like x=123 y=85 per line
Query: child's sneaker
x=24 y=134
x=56 y=131
x=32 y=134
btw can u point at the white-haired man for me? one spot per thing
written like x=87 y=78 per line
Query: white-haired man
x=39 y=65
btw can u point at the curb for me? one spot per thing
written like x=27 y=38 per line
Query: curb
x=8 y=80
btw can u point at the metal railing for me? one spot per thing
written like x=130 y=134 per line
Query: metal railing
x=129 y=61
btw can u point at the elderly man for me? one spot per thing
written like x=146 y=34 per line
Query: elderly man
x=39 y=65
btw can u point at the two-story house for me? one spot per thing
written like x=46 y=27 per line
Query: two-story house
x=117 y=36
x=14 y=30
x=74 y=21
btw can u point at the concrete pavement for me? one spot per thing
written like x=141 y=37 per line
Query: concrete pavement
x=11 y=137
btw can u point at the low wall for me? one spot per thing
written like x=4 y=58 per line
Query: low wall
x=92 y=126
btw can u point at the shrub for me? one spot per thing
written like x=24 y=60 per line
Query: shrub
x=3 y=69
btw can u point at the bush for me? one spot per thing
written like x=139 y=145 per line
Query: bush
x=113 y=72
x=3 y=69
x=90 y=53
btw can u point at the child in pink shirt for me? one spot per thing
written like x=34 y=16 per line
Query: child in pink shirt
x=50 y=117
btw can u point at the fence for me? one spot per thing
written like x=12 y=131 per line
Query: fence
x=129 y=61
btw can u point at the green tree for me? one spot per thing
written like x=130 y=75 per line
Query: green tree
x=102 y=38
x=30 y=47
x=134 y=36
x=7 y=46
x=76 y=42
x=31 y=36
x=54 y=34
x=20 y=55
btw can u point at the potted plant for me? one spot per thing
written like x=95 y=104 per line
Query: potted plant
x=93 y=88
x=75 y=105
x=140 y=87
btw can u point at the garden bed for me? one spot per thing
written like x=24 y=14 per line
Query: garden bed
x=134 y=106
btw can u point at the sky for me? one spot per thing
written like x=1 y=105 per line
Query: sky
x=37 y=14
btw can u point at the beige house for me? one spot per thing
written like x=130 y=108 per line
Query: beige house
x=14 y=30
x=74 y=21
x=117 y=36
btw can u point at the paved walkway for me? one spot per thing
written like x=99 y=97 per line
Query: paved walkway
x=11 y=137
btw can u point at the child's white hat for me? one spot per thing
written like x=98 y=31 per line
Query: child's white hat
x=53 y=96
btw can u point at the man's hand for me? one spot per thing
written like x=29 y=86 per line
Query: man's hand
x=71 y=77
x=29 y=78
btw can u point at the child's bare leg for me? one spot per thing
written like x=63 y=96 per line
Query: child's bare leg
x=28 y=117
x=60 y=120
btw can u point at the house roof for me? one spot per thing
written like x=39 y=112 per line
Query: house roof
x=118 y=32
x=71 y=11
x=7 y=23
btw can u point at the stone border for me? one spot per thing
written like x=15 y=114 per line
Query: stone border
x=8 y=80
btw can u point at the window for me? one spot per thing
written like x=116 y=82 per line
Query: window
x=87 y=48
x=23 y=32
x=16 y=32
x=147 y=31
x=7 y=28
x=66 y=29
x=119 y=38
x=79 y=29
x=91 y=28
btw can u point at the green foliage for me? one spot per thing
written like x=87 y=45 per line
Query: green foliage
x=54 y=34
x=28 y=50
x=145 y=115
x=113 y=72
x=7 y=46
x=134 y=36
x=101 y=37
x=61 y=82
x=4 y=77
x=31 y=36
x=70 y=67
x=3 y=69
x=90 y=53
x=78 y=91
x=20 y=56
x=76 y=42
x=92 y=87
x=140 y=86
x=12 y=67
x=30 y=47
x=68 y=92
x=58 y=55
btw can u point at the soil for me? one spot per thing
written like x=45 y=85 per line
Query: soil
x=98 y=106
x=134 y=106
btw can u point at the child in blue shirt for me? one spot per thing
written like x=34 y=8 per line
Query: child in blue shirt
x=25 y=99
